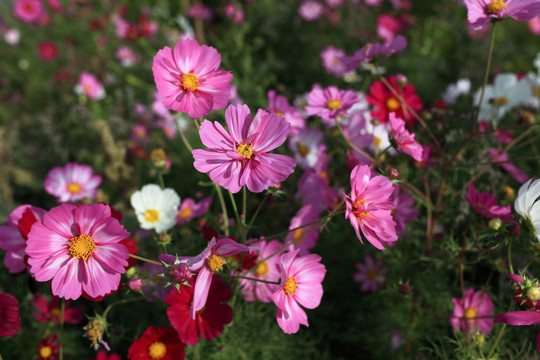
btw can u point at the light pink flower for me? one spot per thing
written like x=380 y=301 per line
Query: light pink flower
x=29 y=11
x=73 y=182
x=79 y=249
x=481 y=12
x=369 y=51
x=473 y=313
x=313 y=186
x=403 y=209
x=279 y=105
x=189 y=79
x=370 y=274
x=502 y=159
x=200 y=11
x=304 y=238
x=301 y=284
x=126 y=56
x=373 y=2
x=330 y=103
x=13 y=241
x=369 y=207
x=485 y=204
x=310 y=10
x=388 y=27
x=306 y=146
x=263 y=269
x=235 y=13
x=404 y=139
x=190 y=210
x=534 y=25
x=332 y=60
x=89 y=86
x=241 y=157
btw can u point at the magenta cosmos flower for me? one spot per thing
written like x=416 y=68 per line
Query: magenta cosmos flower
x=481 y=12
x=370 y=274
x=10 y=322
x=301 y=284
x=28 y=11
x=241 y=158
x=79 y=249
x=329 y=103
x=73 y=182
x=472 y=313
x=369 y=207
x=89 y=86
x=189 y=80
x=404 y=139
x=485 y=203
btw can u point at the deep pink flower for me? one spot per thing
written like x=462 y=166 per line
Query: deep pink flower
x=29 y=11
x=403 y=209
x=370 y=274
x=404 y=139
x=103 y=355
x=485 y=202
x=79 y=249
x=369 y=51
x=73 y=182
x=473 y=312
x=388 y=27
x=189 y=80
x=235 y=13
x=518 y=318
x=190 y=210
x=13 y=236
x=527 y=289
x=279 y=105
x=264 y=268
x=330 y=103
x=49 y=311
x=200 y=11
x=301 y=284
x=90 y=86
x=47 y=51
x=502 y=159
x=10 y=322
x=242 y=157
x=481 y=12
x=369 y=207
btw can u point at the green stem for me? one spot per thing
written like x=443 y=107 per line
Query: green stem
x=223 y=209
x=510 y=267
x=123 y=301
x=248 y=278
x=62 y=312
x=488 y=68
x=494 y=346
x=244 y=203
x=236 y=214
x=145 y=259
x=160 y=179
x=256 y=213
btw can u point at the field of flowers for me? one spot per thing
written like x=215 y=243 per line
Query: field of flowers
x=262 y=179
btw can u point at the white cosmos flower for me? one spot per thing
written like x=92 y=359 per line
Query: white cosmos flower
x=527 y=204
x=155 y=208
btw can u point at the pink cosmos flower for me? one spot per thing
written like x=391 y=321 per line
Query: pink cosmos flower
x=29 y=11
x=306 y=146
x=314 y=186
x=188 y=78
x=329 y=103
x=200 y=11
x=279 y=105
x=242 y=158
x=472 y=313
x=235 y=13
x=518 y=318
x=304 y=238
x=13 y=236
x=126 y=56
x=310 y=10
x=370 y=274
x=264 y=268
x=10 y=322
x=534 y=25
x=502 y=159
x=369 y=51
x=404 y=139
x=388 y=27
x=79 y=249
x=332 y=60
x=73 y=182
x=189 y=209
x=49 y=311
x=47 y=51
x=485 y=204
x=369 y=207
x=481 y=12
x=89 y=86
x=403 y=209
x=301 y=284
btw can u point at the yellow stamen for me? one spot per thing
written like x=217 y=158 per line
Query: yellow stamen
x=392 y=104
x=290 y=286
x=298 y=236
x=190 y=81
x=377 y=141
x=262 y=269
x=56 y=313
x=499 y=101
x=470 y=313
x=494 y=7
x=245 y=150
x=157 y=350
x=215 y=262
x=74 y=188
x=279 y=113
x=81 y=247
x=45 y=352
x=184 y=213
x=372 y=274
x=333 y=104
x=303 y=150
x=151 y=215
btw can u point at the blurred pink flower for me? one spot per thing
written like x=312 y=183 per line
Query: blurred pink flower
x=481 y=12
x=369 y=207
x=301 y=284
x=500 y=157
x=310 y=10
x=329 y=103
x=473 y=313
x=373 y=2
x=304 y=238
x=47 y=51
x=189 y=209
x=279 y=105
x=485 y=204
x=79 y=249
x=370 y=274
x=29 y=11
x=332 y=60
x=404 y=210
x=71 y=183
x=235 y=13
x=241 y=157
x=49 y=311
x=126 y=56
x=369 y=51
x=189 y=80
x=200 y=11
x=306 y=146
x=404 y=139
x=89 y=86
x=534 y=25
x=10 y=322
x=388 y=27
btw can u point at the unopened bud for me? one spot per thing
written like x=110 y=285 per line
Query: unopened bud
x=495 y=224
x=135 y=284
x=393 y=173
x=164 y=238
x=533 y=293
x=180 y=273
x=401 y=80
x=404 y=288
x=514 y=229
x=159 y=158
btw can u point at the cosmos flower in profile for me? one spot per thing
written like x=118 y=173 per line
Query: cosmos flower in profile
x=481 y=12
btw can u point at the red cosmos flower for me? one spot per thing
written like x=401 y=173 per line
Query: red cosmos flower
x=383 y=98
x=157 y=344
x=50 y=311
x=209 y=321
x=47 y=51
x=102 y=355
x=10 y=322
x=48 y=349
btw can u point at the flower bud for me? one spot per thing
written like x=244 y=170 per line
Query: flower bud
x=393 y=173
x=404 y=288
x=495 y=224
x=514 y=229
x=135 y=284
x=401 y=80
x=159 y=158
x=180 y=273
x=508 y=193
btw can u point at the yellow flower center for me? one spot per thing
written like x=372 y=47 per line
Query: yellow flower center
x=81 y=247
x=392 y=104
x=215 y=262
x=74 y=188
x=184 y=213
x=56 y=313
x=333 y=104
x=290 y=286
x=279 y=113
x=494 y=7
x=298 y=236
x=151 y=215
x=45 y=352
x=372 y=274
x=262 y=269
x=470 y=313
x=377 y=141
x=190 y=81
x=533 y=294
x=303 y=150
x=245 y=150
x=498 y=101
x=157 y=350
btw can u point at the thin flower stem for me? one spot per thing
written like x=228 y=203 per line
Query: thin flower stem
x=223 y=209
x=248 y=278
x=256 y=213
x=494 y=346
x=352 y=146
x=244 y=203
x=62 y=314
x=488 y=68
x=123 y=301
x=160 y=180
x=145 y=259
x=236 y=214
x=509 y=253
